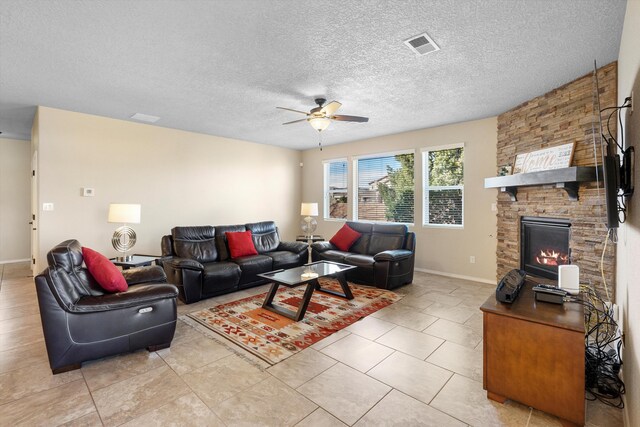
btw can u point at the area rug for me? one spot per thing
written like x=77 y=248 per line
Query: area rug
x=273 y=337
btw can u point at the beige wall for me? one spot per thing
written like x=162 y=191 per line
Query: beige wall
x=179 y=178
x=628 y=280
x=442 y=250
x=15 y=190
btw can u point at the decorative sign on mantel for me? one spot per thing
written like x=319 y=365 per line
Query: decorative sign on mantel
x=545 y=159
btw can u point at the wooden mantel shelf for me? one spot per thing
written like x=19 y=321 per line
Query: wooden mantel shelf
x=565 y=178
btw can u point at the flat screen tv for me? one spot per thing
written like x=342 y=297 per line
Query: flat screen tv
x=611 y=172
x=610 y=163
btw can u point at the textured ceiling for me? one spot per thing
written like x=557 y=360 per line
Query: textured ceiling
x=221 y=67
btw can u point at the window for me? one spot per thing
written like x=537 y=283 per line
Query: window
x=385 y=188
x=443 y=186
x=335 y=189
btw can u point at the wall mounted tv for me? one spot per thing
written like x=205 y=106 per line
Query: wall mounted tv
x=617 y=173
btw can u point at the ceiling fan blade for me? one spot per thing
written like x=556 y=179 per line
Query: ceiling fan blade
x=331 y=108
x=350 y=119
x=295 y=121
x=295 y=111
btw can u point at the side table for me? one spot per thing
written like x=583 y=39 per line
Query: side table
x=534 y=354
x=315 y=238
x=136 y=261
x=309 y=240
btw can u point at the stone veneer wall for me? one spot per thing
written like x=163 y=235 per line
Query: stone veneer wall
x=558 y=117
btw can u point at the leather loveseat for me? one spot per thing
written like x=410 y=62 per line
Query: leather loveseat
x=197 y=259
x=82 y=322
x=384 y=254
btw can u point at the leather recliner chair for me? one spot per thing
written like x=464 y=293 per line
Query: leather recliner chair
x=81 y=322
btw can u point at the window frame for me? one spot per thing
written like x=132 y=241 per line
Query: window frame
x=326 y=165
x=355 y=196
x=425 y=188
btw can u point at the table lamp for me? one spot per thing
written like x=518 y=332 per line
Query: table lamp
x=124 y=237
x=309 y=224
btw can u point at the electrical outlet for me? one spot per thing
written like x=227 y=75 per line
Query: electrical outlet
x=88 y=192
x=494 y=207
x=621 y=320
x=47 y=206
x=472 y=259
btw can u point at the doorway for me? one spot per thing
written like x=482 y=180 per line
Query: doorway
x=34 y=211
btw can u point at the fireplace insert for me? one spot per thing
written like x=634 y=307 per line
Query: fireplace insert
x=544 y=245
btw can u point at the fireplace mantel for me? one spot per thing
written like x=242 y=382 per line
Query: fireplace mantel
x=566 y=178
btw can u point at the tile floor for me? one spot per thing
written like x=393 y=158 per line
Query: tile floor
x=417 y=362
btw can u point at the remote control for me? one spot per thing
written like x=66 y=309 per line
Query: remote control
x=544 y=286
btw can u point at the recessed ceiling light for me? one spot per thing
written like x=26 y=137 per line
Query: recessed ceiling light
x=421 y=44
x=145 y=118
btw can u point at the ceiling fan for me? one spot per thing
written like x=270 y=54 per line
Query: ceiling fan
x=320 y=117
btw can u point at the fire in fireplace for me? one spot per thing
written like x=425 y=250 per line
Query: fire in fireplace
x=544 y=245
x=551 y=257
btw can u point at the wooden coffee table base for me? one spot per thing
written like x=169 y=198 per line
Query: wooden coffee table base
x=302 y=309
x=346 y=290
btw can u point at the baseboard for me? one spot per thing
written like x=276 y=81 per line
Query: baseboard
x=625 y=412
x=625 y=409
x=456 y=276
x=11 y=261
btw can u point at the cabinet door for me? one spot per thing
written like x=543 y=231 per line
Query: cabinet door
x=538 y=365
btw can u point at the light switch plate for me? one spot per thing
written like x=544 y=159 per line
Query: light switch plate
x=47 y=206
x=88 y=192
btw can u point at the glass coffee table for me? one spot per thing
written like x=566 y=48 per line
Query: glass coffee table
x=307 y=274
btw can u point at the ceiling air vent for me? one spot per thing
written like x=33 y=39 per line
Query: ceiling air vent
x=145 y=118
x=421 y=44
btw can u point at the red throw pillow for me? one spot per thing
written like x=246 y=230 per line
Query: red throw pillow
x=345 y=238
x=108 y=276
x=240 y=243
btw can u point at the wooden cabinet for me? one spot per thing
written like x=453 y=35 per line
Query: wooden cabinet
x=534 y=354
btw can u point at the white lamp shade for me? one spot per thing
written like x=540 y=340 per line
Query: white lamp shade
x=309 y=209
x=319 y=123
x=124 y=213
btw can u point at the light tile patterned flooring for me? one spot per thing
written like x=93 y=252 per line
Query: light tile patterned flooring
x=417 y=362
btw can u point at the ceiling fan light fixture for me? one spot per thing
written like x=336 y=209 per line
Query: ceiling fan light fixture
x=319 y=123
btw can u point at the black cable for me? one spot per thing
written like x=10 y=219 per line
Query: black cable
x=602 y=351
x=609 y=128
x=618 y=109
x=622 y=210
x=609 y=108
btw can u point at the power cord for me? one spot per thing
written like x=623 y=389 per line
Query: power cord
x=604 y=250
x=603 y=346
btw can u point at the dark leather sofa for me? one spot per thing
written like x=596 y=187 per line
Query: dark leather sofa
x=197 y=259
x=384 y=254
x=81 y=322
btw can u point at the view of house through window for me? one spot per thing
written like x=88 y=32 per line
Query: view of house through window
x=335 y=189
x=443 y=185
x=385 y=188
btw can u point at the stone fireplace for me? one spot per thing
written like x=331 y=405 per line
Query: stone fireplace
x=544 y=245
x=558 y=117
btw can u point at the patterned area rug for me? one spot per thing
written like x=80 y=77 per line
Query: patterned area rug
x=273 y=337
